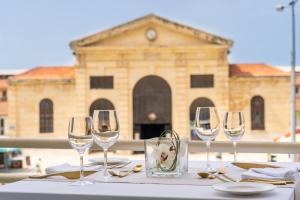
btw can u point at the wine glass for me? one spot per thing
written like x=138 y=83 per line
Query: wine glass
x=106 y=132
x=207 y=125
x=234 y=128
x=80 y=138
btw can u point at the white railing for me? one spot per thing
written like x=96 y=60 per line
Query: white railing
x=138 y=145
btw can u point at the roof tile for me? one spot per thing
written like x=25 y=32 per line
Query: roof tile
x=38 y=73
x=3 y=108
x=255 y=70
x=3 y=84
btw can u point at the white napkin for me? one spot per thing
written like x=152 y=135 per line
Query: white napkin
x=272 y=173
x=66 y=167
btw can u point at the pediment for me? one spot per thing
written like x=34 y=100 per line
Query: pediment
x=151 y=30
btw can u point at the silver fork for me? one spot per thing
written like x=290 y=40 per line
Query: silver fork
x=222 y=172
x=118 y=165
x=218 y=177
x=229 y=178
x=109 y=166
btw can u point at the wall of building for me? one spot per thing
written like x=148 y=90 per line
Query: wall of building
x=75 y=97
x=23 y=107
x=276 y=94
x=174 y=65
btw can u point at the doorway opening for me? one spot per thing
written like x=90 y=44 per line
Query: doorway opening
x=152 y=107
x=151 y=130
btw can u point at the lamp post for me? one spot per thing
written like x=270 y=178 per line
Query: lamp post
x=280 y=7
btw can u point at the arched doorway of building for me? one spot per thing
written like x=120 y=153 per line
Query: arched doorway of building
x=199 y=102
x=101 y=104
x=152 y=107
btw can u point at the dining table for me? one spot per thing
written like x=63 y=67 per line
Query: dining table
x=139 y=186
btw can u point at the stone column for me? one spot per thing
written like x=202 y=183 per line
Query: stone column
x=122 y=92
x=11 y=122
x=179 y=98
x=82 y=85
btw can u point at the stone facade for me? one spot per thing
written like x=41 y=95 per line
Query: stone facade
x=23 y=106
x=276 y=94
x=130 y=52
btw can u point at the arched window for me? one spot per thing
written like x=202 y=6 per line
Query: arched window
x=257 y=113
x=101 y=104
x=199 y=102
x=46 y=116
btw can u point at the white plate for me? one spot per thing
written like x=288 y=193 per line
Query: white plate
x=243 y=188
x=111 y=161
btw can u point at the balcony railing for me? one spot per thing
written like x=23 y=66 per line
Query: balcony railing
x=138 y=145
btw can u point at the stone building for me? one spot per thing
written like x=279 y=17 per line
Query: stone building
x=3 y=105
x=155 y=73
x=4 y=75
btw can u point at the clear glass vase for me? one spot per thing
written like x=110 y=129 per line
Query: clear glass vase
x=166 y=157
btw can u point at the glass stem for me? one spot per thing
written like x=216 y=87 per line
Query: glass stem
x=81 y=167
x=234 y=150
x=105 y=173
x=208 y=155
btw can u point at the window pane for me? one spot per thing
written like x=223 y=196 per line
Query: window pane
x=101 y=104
x=257 y=113
x=202 y=81
x=2 y=126
x=199 y=102
x=101 y=82
x=46 y=116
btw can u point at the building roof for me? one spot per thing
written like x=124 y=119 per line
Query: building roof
x=255 y=70
x=50 y=73
x=298 y=103
x=3 y=108
x=3 y=84
x=68 y=72
x=298 y=78
x=151 y=18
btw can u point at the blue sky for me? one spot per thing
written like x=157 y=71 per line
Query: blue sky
x=38 y=32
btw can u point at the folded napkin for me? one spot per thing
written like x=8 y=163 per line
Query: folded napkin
x=66 y=167
x=271 y=173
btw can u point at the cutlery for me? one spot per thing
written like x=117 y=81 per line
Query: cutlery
x=228 y=177
x=74 y=174
x=91 y=164
x=203 y=174
x=123 y=173
x=261 y=181
x=253 y=165
x=271 y=180
x=219 y=178
x=109 y=166
x=68 y=175
x=214 y=175
x=221 y=170
x=118 y=165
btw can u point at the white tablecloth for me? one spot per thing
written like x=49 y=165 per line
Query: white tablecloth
x=49 y=190
x=55 y=189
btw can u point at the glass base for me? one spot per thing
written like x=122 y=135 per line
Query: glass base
x=81 y=183
x=163 y=174
x=210 y=170
x=107 y=178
